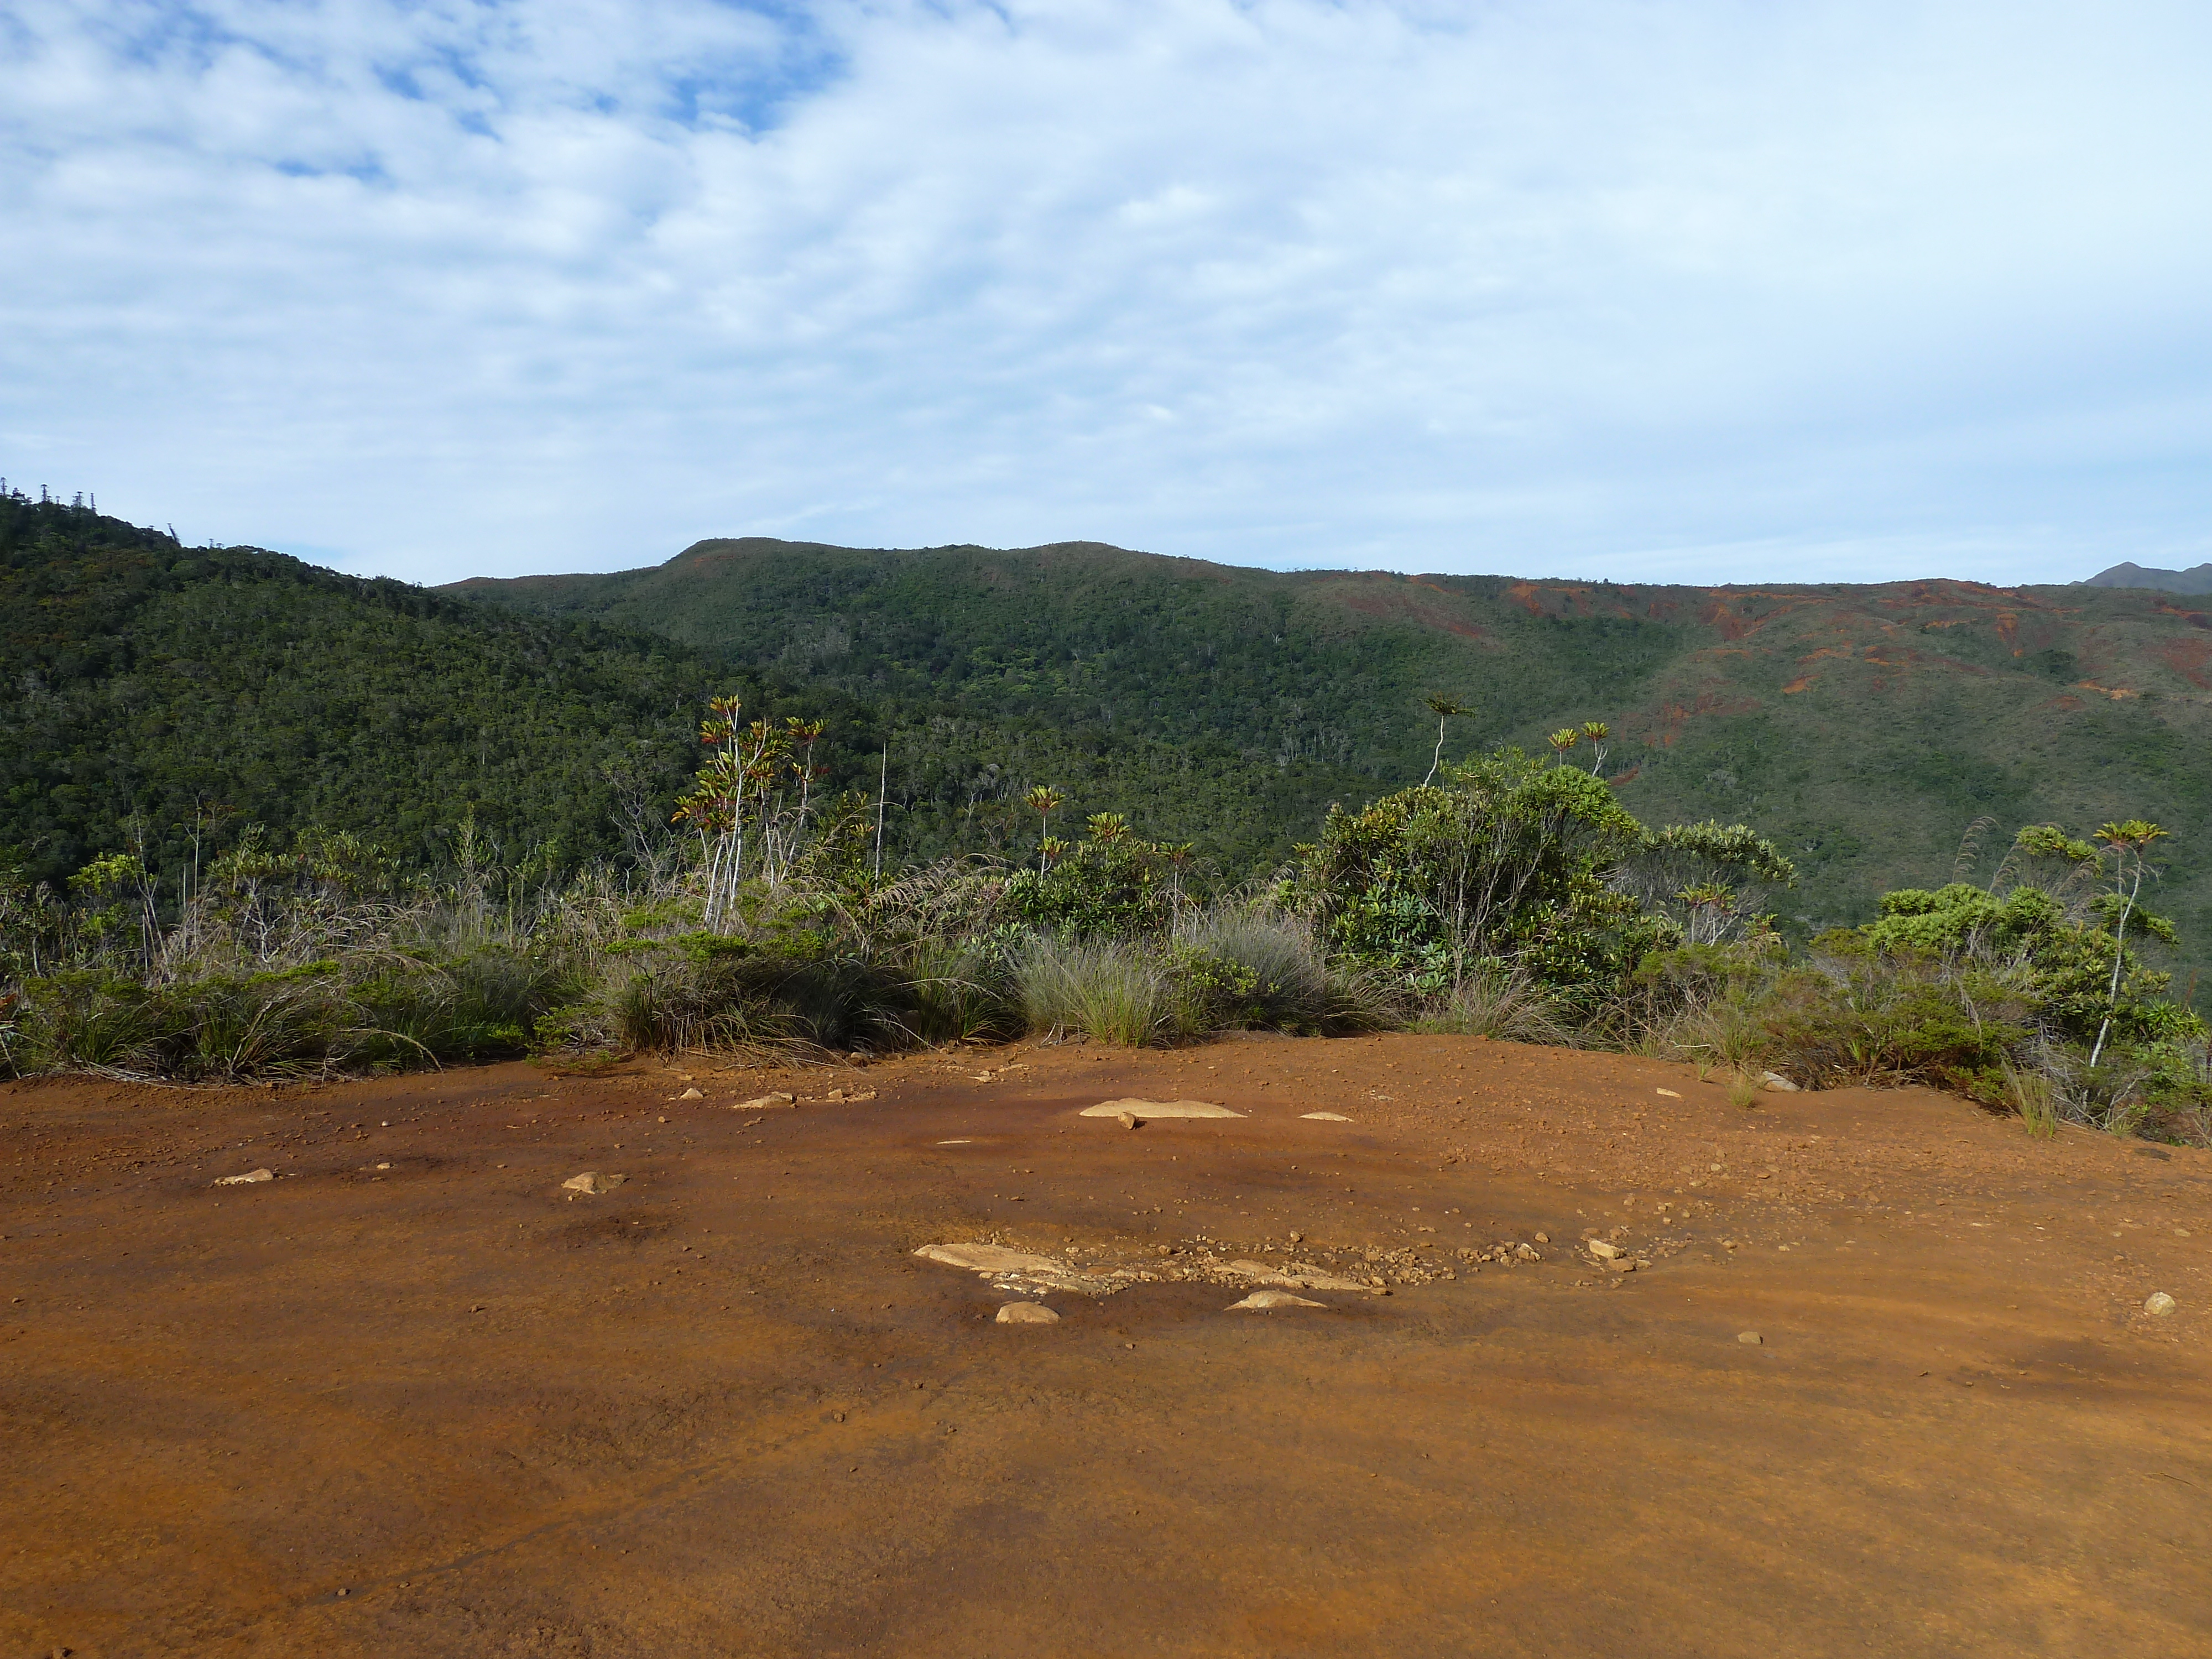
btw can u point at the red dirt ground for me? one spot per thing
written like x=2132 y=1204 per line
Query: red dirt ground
x=444 y=1407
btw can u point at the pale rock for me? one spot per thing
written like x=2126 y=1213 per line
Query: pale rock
x=693 y=1094
x=1623 y=1264
x=1749 y=1339
x=2158 y=1305
x=1262 y=1299
x=1298 y=1275
x=1778 y=1084
x=1668 y=1093
x=1601 y=1251
x=762 y=1102
x=594 y=1183
x=1128 y=1119
x=1027 y=1313
x=1527 y=1253
x=1325 y=1118
x=1159 y=1108
x=252 y=1177
x=988 y=1259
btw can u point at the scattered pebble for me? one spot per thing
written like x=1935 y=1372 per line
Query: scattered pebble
x=1669 y=1093
x=956 y=1143
x=1128 y=1119
x=693 y=1094
x=1601 y=1251
x=1027 y=1313
x=2158 y=1305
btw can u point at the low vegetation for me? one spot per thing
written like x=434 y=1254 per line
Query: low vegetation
x=1510 y=896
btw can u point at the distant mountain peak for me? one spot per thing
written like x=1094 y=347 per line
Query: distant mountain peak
x=2196 y=579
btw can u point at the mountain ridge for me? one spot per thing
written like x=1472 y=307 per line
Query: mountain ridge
x=2198 y=579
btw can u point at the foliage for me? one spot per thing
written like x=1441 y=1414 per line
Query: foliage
x=1515 y=867
x=1113 y=883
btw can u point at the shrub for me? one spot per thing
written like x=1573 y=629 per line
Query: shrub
x=1251 y=970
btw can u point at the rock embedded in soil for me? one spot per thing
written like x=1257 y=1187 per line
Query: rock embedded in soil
x=1325 y=1118
x=1778 y=1084
x=592 y=1183
x=1261 y=1300
x=1159 y=1108
x=988 y=1259
x=1298 y=1275
x=2158 y=1305
x=693 y=1094
x=762 y=1102
x=252 y=1178
x=1027 y=1313
x=1749 y=1339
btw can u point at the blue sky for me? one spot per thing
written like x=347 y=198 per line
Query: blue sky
x=1646 y=291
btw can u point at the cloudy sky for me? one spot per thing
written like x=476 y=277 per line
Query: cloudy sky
x=1682 y=289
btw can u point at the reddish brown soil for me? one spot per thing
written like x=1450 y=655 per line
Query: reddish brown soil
x=446 y=1408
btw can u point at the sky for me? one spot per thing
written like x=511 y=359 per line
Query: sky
x=1678 y=291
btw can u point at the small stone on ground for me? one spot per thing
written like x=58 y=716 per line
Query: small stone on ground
x=247 y=1180
x=2157 y=1304
x=1325 y=1118
x=1027 y=1313
x=1750 y=1339
x=594 y=1183
x=762 y=1102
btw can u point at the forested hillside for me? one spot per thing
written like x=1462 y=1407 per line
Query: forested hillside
x=1866 y=728
x=154 y=687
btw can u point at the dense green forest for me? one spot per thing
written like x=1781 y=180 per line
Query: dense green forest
x=160 y=694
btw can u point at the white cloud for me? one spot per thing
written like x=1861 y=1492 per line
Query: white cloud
x=1634 y=289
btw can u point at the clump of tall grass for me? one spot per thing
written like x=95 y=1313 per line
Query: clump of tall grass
x=374 y=1012
x=1500 y=1005
x=1113 y=990
x=2035 y=1098
x=1255 y=967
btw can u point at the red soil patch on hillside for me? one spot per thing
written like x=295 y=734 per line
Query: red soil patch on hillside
x=725 y=1409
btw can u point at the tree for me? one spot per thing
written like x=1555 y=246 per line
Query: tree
x=2127 y=841
x=1443 y=708
x=1044 y=801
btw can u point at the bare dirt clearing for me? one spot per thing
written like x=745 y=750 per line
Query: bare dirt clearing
x=412 y=1397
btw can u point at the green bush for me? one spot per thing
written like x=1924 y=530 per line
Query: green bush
x=1244 y=970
